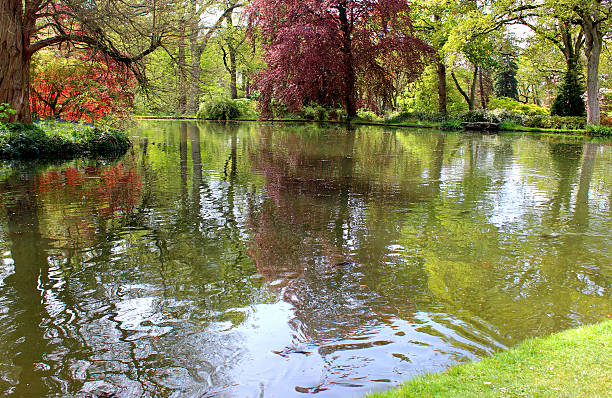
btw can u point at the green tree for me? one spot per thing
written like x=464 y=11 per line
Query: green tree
x=506 y=84
x=568 y=101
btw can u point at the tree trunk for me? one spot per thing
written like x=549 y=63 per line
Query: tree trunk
x=349 y=64
x=442 y=98
x=468 y=98
x=196 y=55
x=594 y=39
x=231 y=49
x=14 y=61
x=182 y=78
x=483 y=98
x=473 y=88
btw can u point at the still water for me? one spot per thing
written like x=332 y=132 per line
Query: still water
x=255 y=260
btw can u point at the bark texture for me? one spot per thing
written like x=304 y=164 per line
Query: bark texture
x=14 y=60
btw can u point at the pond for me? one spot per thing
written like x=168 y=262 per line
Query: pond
x=273 y=260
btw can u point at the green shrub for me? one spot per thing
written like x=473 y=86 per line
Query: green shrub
x=368 y=115
x=220 y=109
x=478 y=116
x=60 y=140
x=556 y=122
x=598 y=130
x=411 y=116
x=512 y=105
x=506 y=116
x=314 y=112
x=450 y=125
x=509 y=125
x=6 y=111
x=247 y=108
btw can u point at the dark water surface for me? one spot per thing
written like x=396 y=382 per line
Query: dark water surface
x=251 y=260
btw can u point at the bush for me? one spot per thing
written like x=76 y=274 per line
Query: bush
x=247 y=108
x=314 y=112
x=368 y=115
x=505 y=116
x=220 y=109
x=478 y=116
x=512 y=105
x=556 y=122
x=405 y=116
x=598 y=130
x=450 y=125
x=61 y=140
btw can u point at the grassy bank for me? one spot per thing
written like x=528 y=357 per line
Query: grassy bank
x=575 y=363
x=59 y=140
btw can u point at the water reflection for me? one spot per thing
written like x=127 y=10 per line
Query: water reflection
x=265 y=260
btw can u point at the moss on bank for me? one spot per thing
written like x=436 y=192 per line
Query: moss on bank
x=59 y=140
x=574 y=363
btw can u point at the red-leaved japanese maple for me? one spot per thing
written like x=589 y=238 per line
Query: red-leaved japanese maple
x=334 y=52
x=78 y=85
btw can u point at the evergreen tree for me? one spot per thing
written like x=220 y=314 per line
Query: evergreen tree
x=506 y=84
x=569 y=101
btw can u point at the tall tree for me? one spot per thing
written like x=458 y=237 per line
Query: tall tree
x=506 y=84
x=121 y=30
x=327 y=51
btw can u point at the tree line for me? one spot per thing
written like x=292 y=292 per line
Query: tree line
x=169 y=56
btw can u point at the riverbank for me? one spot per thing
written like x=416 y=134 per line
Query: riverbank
x=59 y=140
x=446 y=126
x=574 y=363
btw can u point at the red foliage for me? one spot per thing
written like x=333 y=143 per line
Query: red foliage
x=76 y=85
x=334 y=52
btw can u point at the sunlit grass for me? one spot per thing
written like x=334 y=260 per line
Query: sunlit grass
x=575 y=363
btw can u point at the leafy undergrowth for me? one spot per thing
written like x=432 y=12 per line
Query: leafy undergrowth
x=575 y=363
x=59 y=140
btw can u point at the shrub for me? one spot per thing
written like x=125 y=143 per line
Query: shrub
x=405 y=116
x=512 y=105
x=60 y=140
x=314 y=112
x=6 y=111
x=598 y=130
x=451 y=125
x=478 y=116
x=247 y=107
x=556 y=122
x=506 y=116
x=219 y=109
x=368 y=115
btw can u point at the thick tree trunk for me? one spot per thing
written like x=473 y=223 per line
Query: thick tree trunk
x=196 y=55
x=594 y=39
x=349 y=64
x=473 y=88
x=441 y=70
x=14 y=61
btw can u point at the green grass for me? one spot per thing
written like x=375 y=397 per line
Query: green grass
x=574 y=363
x=59 y=140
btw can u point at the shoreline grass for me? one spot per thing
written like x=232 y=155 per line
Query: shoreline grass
x=574 y=363
x=407 y=124
x=59 y=140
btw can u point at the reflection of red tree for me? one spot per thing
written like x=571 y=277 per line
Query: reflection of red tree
x=119 y=189
x=101 y=192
